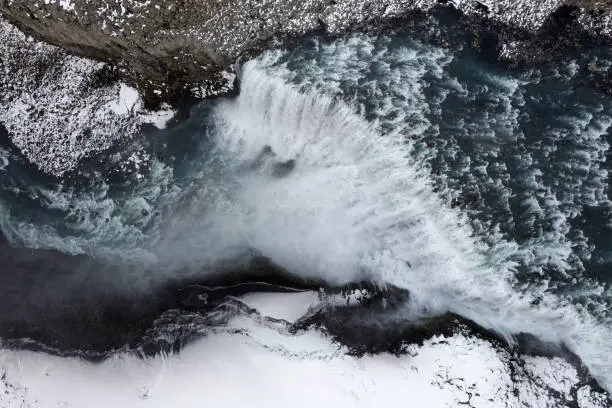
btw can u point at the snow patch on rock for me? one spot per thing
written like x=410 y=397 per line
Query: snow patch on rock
x=128 y=98
x=195 y=41
x=282 y=306
x=59 y=109
x=65 y=4
x=554 y=372
x=129 y=103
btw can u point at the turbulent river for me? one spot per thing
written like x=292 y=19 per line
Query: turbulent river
x=481 y=191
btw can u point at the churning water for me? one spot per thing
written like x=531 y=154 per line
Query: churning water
x=482 y=192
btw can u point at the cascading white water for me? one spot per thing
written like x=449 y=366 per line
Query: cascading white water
x=357 y=206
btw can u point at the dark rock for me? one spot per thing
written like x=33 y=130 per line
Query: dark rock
x=167 y=47
x=482 y=7
x=266 y=159
x=283 y=168
x=259 y=161
x=78 y=305
x=382 y=323
x=564 y=15
x=63 y=305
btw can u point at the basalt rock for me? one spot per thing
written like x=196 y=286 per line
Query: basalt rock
x=171 y=47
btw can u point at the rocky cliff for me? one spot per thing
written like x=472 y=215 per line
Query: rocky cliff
x=167 y=47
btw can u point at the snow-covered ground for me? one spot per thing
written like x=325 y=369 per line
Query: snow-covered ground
x=255 y=361
x=59 y=109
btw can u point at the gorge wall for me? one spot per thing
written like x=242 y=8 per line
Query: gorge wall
x=168 y=46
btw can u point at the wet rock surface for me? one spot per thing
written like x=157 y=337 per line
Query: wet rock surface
x=62 y=305
x=69 y=305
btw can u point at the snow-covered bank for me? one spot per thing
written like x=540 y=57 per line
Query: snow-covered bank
x=59 y=109
x=255 y=362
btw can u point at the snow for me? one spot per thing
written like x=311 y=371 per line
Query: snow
x=54 y=116
x=65 y=4
x=128 y=98
x=555 y=372
x=281 y=306
x=129 y=103
x=256 y=361
x=226 y=29
x=159 y=118
x=263 y=365
x=214 y=28
x=526 y=14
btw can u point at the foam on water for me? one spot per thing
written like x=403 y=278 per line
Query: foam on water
x=472 y=121
x=357 y=205
x=4 y=161
x=91 y=219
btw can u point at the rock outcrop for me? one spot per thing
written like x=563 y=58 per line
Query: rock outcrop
x=167 y=47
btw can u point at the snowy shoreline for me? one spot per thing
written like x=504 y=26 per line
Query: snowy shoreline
x=60 y=109
x=270 y=366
